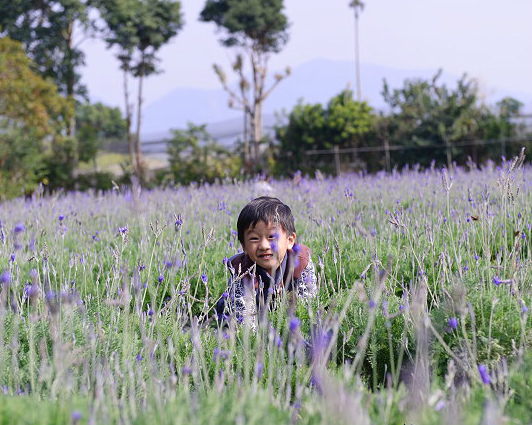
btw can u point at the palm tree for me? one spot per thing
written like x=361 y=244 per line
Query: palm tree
x=358 y=7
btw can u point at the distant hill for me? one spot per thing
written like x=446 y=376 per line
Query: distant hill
x=315 y=81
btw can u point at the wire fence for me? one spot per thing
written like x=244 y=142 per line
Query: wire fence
x=338 y=154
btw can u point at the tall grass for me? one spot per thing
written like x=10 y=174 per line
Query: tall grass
x=421 y=317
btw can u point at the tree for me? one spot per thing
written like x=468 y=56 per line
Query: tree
x=256 y=28
x=32 y=116
x=344 y=123
x=95 y=124
x=139 y=28
x=428 y=114
x=358 y=7
x=195 y=157
x=51 y=32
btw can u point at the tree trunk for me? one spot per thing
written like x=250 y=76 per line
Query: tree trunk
x=257 y=133
x=70 y=79
x=138 y=153
x=247 y=156
x=130 y=141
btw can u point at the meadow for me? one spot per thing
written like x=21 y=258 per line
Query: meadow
x=422 y=315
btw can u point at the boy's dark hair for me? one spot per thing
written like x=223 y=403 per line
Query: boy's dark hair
x=265 y=209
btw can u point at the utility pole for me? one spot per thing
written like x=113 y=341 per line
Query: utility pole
x=358 y=6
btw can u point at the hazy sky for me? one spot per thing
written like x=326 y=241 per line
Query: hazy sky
x=487 y=39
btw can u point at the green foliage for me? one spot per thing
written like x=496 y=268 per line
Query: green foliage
x=48 y=30
x=60 y=161
x=261 y=23
x=344 y=123
x=140 y=27
x=27 y=99
x=21 y=166
x=96 y=123
x=195 y=157
x=428 y=114
x=33 y=115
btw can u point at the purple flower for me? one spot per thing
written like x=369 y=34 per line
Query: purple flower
x=12 y=258
x=139 y=357
x=204 y=278
x=123 y=230
x=524 y=308
x=18 y=228
x=31 y=291
x=294 y=324
x=385 y=308
x=160 y=278
x=453 y=323
x=439 y=405
x=141 y=267
x=372 y=304
x=222 y=354
x=150 y=312
x=259 y=369
x=321 y=342
x=5 y=277
x=496 y=280
x=61 y=217
x=76 y=416
x=484 y=374
x=225 y=295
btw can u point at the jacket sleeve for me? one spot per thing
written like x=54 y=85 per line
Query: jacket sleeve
x=306 y=285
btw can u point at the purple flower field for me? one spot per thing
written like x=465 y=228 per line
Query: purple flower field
x=422 y=315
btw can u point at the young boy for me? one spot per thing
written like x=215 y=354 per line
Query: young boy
x=271 y=263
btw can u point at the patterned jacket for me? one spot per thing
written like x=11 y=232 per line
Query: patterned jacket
x=251 y=288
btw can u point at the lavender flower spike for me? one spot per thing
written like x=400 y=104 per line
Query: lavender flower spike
x=482 y=369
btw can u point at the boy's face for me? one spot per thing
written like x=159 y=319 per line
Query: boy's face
x=266 y=244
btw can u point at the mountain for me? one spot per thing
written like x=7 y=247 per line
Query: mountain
x=315 y=81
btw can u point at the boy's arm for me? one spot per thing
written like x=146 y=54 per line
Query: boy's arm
x=306 y=284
